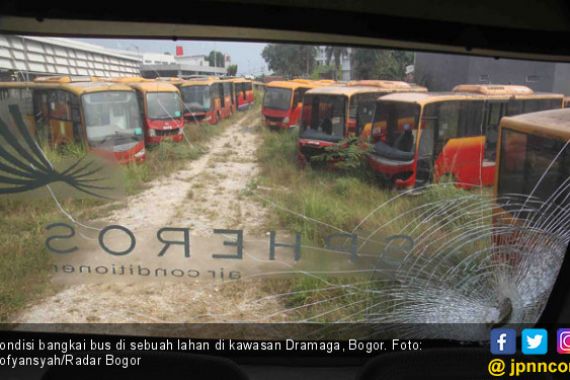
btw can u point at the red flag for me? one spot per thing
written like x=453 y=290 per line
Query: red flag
x=179 y=51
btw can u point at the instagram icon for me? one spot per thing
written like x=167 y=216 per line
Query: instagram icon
x=563 y=341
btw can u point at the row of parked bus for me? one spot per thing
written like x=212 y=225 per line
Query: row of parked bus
x=414 y=136
x=117 y=117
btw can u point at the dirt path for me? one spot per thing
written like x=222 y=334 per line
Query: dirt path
x=206 y=194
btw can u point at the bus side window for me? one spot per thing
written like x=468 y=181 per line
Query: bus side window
x=212 y=92
x=75 y=118
x=494 y=112
x=221 y=94
x=140 y=101
x=514 y=107
x=298 y=96
x=447 y=123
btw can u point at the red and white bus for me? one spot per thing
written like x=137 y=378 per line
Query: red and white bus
x=333 y=113
x=283 y=100
x=206 y=99
x=421 y=137
x=162 y=108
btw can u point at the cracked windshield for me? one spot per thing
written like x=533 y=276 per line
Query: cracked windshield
x=192 y=182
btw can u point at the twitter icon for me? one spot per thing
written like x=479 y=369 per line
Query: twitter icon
x=534 y=341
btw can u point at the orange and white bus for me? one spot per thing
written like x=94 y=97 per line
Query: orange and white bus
x=532 y=182
x=104 y=117
x=333 y=113
x=162 y=108
x=283 y=100
x=206 y=99
x=421 y=137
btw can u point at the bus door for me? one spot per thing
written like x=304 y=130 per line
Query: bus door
x=458 y=143
x=426 y=148
x=243 y=89
x=233 y=97
x=58 y=112
x=297 y=105
x=222 y=95
x=494 y=111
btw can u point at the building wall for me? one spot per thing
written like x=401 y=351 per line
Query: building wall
x=23 y=57
x=441 y=72
x=562 y=78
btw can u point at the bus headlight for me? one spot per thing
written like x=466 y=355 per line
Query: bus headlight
x=140 y=153
x=286 y=120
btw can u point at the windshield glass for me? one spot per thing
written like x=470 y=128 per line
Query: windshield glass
x=163 y=105
x=277 y=98
x=324 y=117
x=196 y=98
x=112 y=116
x=395 y=124
x=533 y=166
x=249 y=218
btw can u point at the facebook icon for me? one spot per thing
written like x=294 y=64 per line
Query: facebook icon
x=503 y=341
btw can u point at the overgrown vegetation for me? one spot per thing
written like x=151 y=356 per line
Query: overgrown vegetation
x=319 y=202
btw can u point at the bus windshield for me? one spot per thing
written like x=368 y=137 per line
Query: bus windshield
x=323 y=117
x=196 y=98
x=277 y=98
x=397 y=123
x=533 y=166
x=112 y=116
x=163 y=105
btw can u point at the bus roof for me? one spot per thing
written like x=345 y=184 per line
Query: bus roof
x=388 y=85
x=199 y=82
x=433 y=97
x=240 y=80
x=169 y=79
x=422 y=98
x=347 y=90
x=493 y=89
x=79 y=88
x=66 y=79
x=126 y=79
x=153 y=86
x=553 y=123
x=296 y=83
x=15 y=84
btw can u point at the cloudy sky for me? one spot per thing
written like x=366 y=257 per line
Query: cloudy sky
x=246 y=55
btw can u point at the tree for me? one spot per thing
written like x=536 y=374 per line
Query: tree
x=392 y=64
x=363 y=62
x=335 y=52
x=290 y=60
x=380 y=64
x=216 y=58
x=232 y=70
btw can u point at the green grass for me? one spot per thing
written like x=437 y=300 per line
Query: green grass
x=340 y=198
x=25 y=263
